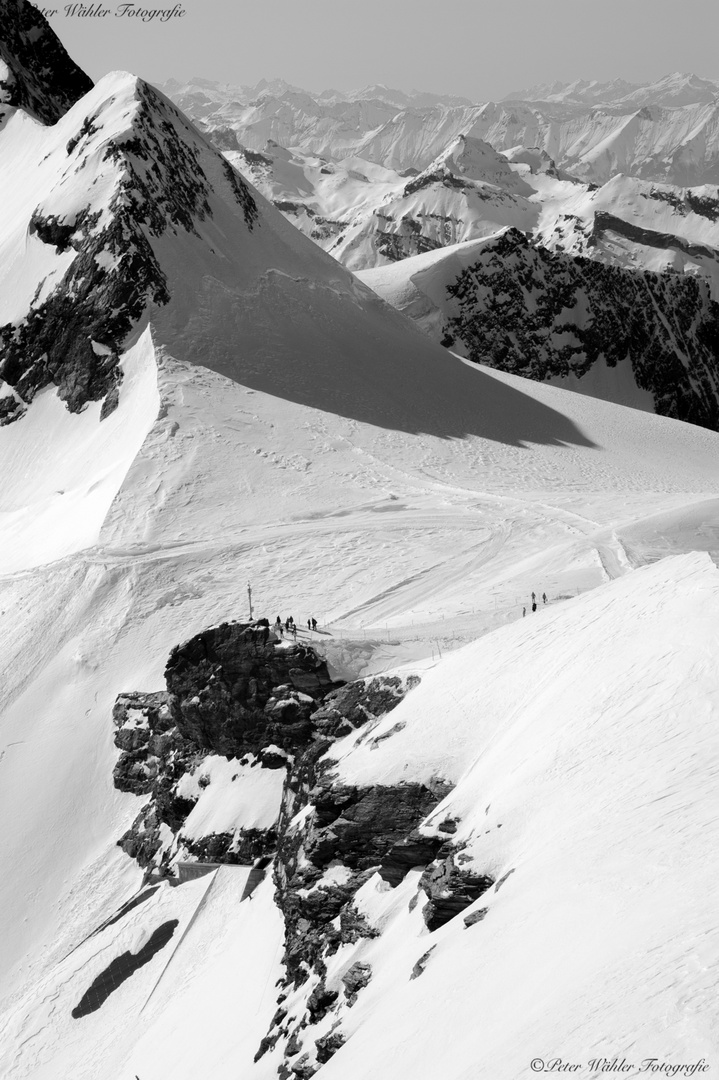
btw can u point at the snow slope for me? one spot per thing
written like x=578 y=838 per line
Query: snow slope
x=585 y=765
x=277 y=423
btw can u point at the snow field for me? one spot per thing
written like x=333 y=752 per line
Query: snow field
x=279 y=424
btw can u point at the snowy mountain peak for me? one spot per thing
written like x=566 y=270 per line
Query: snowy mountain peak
x=468 y=159
x=120 y=170
x=36 y=73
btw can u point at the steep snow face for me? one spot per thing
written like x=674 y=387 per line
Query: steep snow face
x=578 y=787
x=525 y=309
x=62 y=472
x=85 y=200
x=36 y=74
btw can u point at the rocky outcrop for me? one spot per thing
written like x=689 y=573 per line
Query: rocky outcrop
x=40 y=77
x=234 y=693
x=238 y=700
x=450 y=890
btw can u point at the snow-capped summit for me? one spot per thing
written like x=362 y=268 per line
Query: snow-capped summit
x=472 y=159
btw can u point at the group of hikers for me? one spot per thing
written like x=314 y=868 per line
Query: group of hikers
x=534 y=603
x=289 y=627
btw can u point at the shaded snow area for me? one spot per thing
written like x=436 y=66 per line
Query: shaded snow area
x=62 y=471
x=201 y=1002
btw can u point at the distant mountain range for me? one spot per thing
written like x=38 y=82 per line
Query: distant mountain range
x=666 y=131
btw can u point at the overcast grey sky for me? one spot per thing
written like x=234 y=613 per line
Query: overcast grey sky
x=481 y=49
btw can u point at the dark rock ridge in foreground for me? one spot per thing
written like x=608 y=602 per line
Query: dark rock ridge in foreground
x=239 y=697
x=538 y=313
x=42 y=79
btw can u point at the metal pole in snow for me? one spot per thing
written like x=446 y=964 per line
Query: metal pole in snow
x=249 y=597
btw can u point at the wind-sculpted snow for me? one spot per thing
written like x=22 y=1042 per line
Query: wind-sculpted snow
x=36 y=74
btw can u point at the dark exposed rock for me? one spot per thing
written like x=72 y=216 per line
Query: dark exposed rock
x=421 y=964
x=367 y=699
x=303 y=1069
x=320 y=1002
x=10 y=409
x=242 y=194
x=328 y=1045
x=140 y=721
x=450 y=890
x=42 y=80
x=502 y=880
x=52 y=231
x=475 y=917
x=240 y=850
x=234 y=693
x=355 y=979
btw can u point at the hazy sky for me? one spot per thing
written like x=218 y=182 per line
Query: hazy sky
x=481 y=49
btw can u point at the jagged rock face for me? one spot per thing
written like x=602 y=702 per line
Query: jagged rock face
x=536 y=313
x=231 y=693
x=359 y=702
x=225 y=690
x=235 y=689
x=39 y=76
x=143 y=732
x=153 y=758
x=450 y=889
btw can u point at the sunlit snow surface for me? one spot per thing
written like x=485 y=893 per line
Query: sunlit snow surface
x=411 y=502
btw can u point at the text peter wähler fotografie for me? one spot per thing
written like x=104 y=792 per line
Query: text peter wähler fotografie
x=119 y=11
x=614 y=1066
